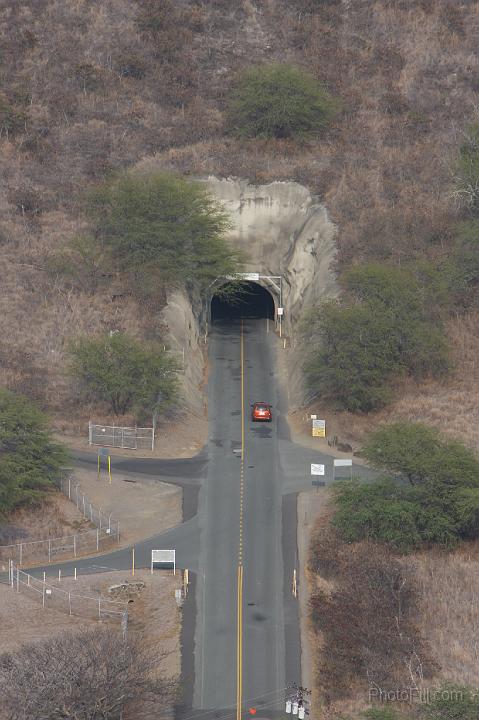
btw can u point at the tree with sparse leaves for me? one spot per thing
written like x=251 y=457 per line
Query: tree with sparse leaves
x=93 y=674
x=125 y=373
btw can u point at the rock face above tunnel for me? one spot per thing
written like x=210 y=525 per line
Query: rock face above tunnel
x=283 y=230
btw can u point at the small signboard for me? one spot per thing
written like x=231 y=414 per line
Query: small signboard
x=254 y=277
x=314 y=417
x=163 y=559
x=317 y=469
x=319 y=427
x=343 y=463
x=280 y=312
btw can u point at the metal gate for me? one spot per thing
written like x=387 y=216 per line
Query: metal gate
x=134 y=438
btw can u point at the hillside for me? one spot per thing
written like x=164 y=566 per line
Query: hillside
x=88 y=88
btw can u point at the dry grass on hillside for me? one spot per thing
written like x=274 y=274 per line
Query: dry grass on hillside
x=449 y=614
x=440 y=607
x=88 y=88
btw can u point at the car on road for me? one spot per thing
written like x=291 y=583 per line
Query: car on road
x=261 y=411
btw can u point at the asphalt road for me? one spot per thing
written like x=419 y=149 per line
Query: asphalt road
x=239 y=534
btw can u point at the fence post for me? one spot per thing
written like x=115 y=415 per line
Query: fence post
x=49 y=551
x=12 y=572
x=97 y=537
x=69 y=604
x=90 y=432
x=69 y=487
x=28 y=580
x=21 y=553
x=76 y=491
x=18 y=580
x=74 y=546
x=84 y=513
x=153 y=437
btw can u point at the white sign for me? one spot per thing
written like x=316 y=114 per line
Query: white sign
x=280 y=312
x=254 y=277
x=343 y=463
x=319 y=423
x=314 y=417
x=165 y=559
x=317 y=469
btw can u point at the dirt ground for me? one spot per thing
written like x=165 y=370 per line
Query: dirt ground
x=300 y=426
x=310 y=505
x=143 y=505
x=154 y=608
x=175 y=439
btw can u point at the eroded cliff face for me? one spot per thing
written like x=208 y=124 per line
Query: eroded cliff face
x=284 y=231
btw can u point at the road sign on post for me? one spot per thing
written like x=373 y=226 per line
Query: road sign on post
x=342 y=463
x=319 y=427
x=317 y=469
x=163 y=559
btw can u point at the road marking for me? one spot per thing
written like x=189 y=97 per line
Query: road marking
x=239 y=648
x=239 y=639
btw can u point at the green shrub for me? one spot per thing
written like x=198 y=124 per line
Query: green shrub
x=163 y=229
x=380 y=329
x=119 y=370
x=440 y=505
x=461 y=269
x=353 y=359
x=418 y=453
x=29 y=459
x=279 y=101
x=452 y=702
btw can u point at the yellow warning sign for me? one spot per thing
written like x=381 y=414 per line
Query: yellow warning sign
x=319 y=428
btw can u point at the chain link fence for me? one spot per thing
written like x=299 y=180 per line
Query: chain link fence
x=97 y=516
x=103 y=537
x=59 y=548
x=51 y=596
x=133 y=438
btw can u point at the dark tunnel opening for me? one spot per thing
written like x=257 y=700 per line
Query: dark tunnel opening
x=252 y=301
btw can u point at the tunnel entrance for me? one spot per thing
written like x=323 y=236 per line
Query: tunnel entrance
x=251 y=300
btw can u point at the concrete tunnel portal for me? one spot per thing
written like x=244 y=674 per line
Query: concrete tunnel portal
x=252 y=300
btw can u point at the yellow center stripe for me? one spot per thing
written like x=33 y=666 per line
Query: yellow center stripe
x=239 y=644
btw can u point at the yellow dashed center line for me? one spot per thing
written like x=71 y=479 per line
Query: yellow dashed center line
x=239 y=644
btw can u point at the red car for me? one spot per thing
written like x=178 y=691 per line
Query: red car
x=261 y=411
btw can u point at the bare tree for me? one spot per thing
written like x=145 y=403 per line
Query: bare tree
x=87 y=675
